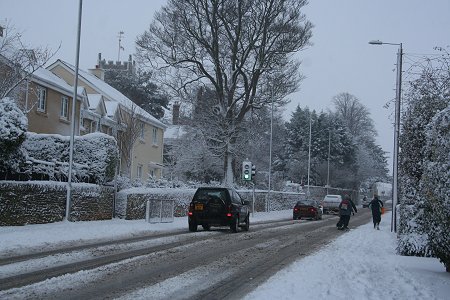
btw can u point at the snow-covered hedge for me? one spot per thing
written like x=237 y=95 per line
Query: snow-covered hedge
x=435 y=186
x=13 y=126
x=95 y=155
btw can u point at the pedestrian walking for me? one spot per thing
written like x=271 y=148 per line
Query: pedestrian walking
x=346 y=208
x=376 y=205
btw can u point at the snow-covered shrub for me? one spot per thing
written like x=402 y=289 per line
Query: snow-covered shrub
x=13 y=126
x=435 y=186
x=413 y=235
x=95 y=155
x=100 y=153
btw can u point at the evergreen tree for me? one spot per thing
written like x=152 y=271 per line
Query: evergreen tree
x=435 y=186
x=13 y=130
x=139 y=88
x=425 y=98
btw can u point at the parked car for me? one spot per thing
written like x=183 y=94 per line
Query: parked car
x=310 y=209
x=331 y=203
x=365 y=202
x=218 y=206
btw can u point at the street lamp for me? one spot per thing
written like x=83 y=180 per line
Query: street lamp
x=270 y=151
x=396 y=130
x=329 y=152
x=72 y=125
x=309 y=153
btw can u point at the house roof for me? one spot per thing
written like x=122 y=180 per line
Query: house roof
x=111 y=107
x=110 y=93
x=174 y=132
x=48 y=79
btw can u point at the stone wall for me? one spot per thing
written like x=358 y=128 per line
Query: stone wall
x=131 y=203
x=45 y=202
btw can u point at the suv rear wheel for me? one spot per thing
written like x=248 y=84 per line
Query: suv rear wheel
x=234 y=226
x=192 y=226
x=246 y=227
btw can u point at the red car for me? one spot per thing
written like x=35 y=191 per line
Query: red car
x=307 y=209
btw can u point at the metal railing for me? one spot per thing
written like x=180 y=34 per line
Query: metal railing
x=159 y=211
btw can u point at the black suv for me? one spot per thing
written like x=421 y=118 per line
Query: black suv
x=218 y=206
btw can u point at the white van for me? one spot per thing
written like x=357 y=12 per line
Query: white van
x=331 y=203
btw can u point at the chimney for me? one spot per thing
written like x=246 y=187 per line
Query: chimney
x=176 y=113
x=98 y=71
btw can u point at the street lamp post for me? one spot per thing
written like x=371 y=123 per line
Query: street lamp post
x=309 y=153
x=396 y=131
x=328 y=167
x=270 y=152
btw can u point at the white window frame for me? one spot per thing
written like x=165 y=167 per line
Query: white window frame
x=142 y=131
x=155 y=136
x=42 y=99
x=64 y=114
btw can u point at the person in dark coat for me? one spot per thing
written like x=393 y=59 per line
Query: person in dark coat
x=346 y=208
x=376 y=205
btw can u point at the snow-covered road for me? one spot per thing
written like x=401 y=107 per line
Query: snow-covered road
x=361 y=264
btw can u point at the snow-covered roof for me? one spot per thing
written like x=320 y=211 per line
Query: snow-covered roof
x=111 y=107
x=47 y=78
x=174 y=131
x=94 y=100
x=111 y=93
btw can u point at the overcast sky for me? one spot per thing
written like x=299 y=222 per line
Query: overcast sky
x=340 y=59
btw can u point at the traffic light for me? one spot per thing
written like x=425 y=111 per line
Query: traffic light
x=246 y=170
x=253 y=170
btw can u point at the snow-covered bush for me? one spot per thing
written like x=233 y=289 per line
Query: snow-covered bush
x=95 y=155
x=420 y=169
x=412 y=235
x=13 y=126
x=435 y=186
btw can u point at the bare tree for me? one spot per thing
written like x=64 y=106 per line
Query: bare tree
x=354 y=114
x=18 y=61
x=131 y=128
x=233 y=46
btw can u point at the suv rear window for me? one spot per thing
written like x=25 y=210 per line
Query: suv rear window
x=208 y=194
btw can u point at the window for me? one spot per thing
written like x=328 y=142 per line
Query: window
x=64 y=107
x=151 y=173
x=139 y=171
x=141 y=130
x=155 y=136
x=42 y=99
x=93 y=126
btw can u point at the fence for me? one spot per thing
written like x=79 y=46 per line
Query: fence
x=159 y=211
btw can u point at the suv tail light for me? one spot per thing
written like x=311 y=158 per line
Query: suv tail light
x=229 y=213
x=191 y=208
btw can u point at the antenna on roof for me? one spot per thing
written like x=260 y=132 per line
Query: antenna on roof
x=120 y=45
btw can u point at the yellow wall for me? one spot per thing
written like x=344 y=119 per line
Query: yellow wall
x=50 y=120
x=144 y=151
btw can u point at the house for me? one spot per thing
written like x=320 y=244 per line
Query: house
x=48 y=103
x=139 y=134
x=45 y=98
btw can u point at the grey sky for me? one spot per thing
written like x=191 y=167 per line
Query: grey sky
x=341 y=60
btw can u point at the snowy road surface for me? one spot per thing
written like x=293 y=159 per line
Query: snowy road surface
x=195 y=266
